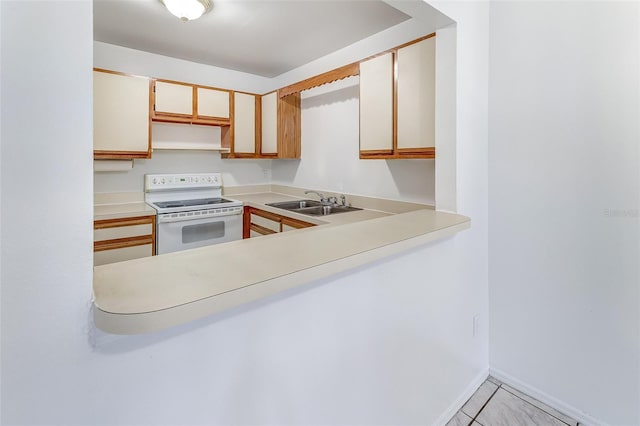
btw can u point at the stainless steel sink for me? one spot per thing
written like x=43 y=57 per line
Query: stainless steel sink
x=325 y=210
x=312 y=207
x=291 y=205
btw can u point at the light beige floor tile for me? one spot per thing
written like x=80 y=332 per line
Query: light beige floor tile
x=479 y=398
x=506 y=409
x=494 y=380
x=460 y=419
x=555 y=413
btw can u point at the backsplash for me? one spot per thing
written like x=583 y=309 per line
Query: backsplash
x=234 y=172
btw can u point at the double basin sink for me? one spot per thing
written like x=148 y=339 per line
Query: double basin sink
x=312 y=207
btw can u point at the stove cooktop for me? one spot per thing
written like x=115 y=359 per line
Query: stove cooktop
x=205 y=202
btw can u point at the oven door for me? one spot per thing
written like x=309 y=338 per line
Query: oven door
x=187 y=234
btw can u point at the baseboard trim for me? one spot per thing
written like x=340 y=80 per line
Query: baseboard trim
x=582 y=418
x=457 y=405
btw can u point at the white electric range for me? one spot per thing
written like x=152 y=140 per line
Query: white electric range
x=191 y=211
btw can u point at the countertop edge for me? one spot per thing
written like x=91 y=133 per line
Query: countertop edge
x=149 y=322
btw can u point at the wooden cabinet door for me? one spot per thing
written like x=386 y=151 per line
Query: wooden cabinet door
x=173 y=99
x=416 y=95
x=212 y=103
x=121 y=127
x=376 y=104
x=244 y=123
x=269 y=123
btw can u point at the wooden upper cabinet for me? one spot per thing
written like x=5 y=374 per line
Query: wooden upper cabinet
x=121 y=126
x=212 y=103
x=289 y=126
x=244 y=123
x=276 y=123
x=376 y=104
x=416 y=96
x=397 y=102
x=269 y=103
x=173 y=99
x=178 y=102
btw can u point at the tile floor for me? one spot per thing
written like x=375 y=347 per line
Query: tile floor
x=497 y=404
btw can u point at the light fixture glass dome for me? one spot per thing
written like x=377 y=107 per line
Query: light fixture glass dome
x=187 y=10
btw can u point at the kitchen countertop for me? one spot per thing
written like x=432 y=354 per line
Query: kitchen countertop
x=119 y=205
x=152 y=293
x=117 y=211
x=260 y=200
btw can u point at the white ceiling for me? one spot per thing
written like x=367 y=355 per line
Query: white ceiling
x=262 y=37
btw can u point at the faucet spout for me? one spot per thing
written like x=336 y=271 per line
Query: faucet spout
x=323 y=200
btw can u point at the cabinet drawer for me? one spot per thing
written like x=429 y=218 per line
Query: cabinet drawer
x=265 y=223
x=289 y=224
x=122 y=254
x=122 y=232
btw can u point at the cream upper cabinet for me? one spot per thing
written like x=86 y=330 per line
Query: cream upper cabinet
x=244 y=123
x=269 y=123
x=376 y=103
x=177 y=102
x=212 y=103
x=416 y=95
x=397 y=102
x=173 y=98
x=276 y=127
x=120 y=116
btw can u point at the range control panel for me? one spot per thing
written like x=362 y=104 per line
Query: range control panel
x=161 y=182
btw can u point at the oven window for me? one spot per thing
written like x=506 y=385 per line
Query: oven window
x=202 y=232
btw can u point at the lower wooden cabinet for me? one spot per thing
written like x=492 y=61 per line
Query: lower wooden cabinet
x=117 y=240
x=260 y=222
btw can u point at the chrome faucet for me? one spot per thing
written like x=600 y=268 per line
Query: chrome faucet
x=323 y=200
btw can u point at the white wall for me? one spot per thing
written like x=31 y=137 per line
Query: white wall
x=386 y=343
x=330 y=152
x=147 y=64
x=47 y=207
x=564 y=197
x=234 y=172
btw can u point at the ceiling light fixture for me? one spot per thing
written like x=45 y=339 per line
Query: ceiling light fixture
x=187 y=10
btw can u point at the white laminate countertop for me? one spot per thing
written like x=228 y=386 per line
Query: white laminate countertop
x=117 y=211
x=120 y=205
x=152 y=293
x=260 y=200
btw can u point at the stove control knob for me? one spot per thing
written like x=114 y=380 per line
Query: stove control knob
x=215 y=179
x=162 y=181
x=195 y=179
x=154 y=181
